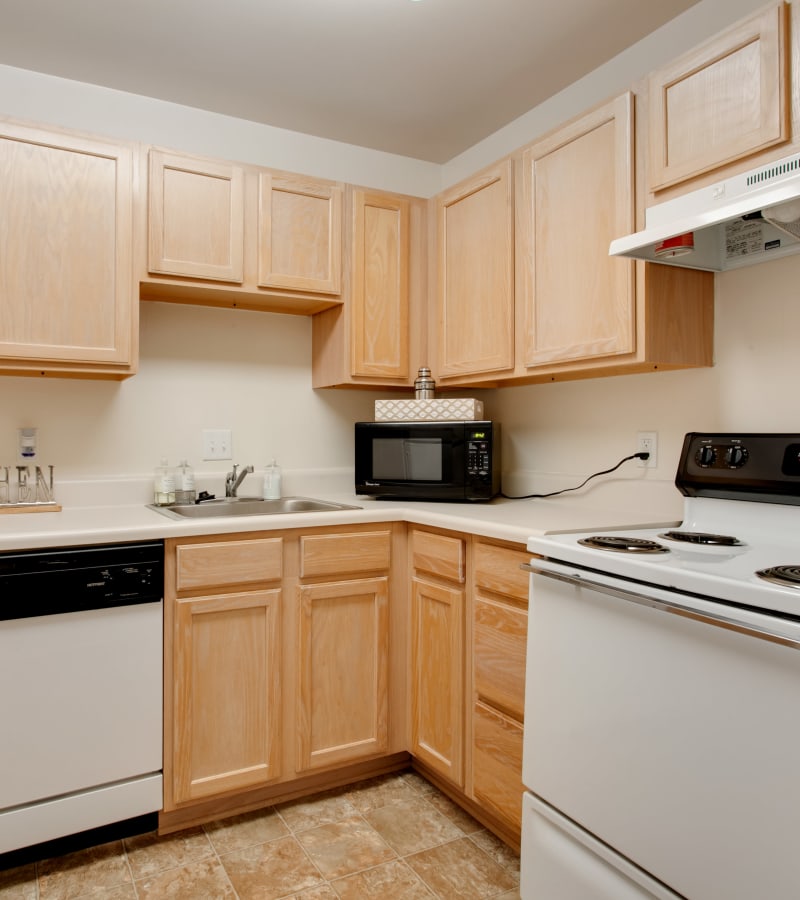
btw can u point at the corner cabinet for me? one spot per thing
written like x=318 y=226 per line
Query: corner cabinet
x=474 y=306
x=66 y=271
x=724 y=101
x=438 y=600
x=224 y=234
x=376 y=337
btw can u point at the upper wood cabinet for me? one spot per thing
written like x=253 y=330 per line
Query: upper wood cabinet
x=376 y=337
x=66 y=275
x=577 y=302
x=724 y=101
x=223 y=234
x=474 y=305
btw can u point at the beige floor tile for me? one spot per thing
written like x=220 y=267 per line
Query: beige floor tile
x=408 y=826
x=204 y=879
x=332 y=806
x=18 y=883
x=276 y=869
x=419 y=783
x=342 y=848
x=509 y=895
x=391 y=881
x=151 y=853
x=377 y=792
x=501 y=853
x=323 y=892
x=78 y=874
x=246 y=830
x=454 y=812
x=461 y=869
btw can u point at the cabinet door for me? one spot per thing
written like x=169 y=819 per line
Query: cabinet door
x=501 y=632
x=226 y=693
x=437 y=662
x=497 y=763
x=380 y=286
x=66 y=275
x=723 y=101
x=343 y=652
x=577 y=195
x=195 y=218
x=475 y=235
x=299 y=234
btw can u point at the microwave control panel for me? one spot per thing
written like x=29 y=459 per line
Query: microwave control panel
x=478 y=459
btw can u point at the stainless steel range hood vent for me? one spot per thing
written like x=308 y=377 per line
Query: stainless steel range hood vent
x=746 y=219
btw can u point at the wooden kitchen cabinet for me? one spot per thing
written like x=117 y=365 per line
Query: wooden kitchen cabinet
x=377 y=336
x=474 y=308
x=437 y=651
x=343 y=647
x=499 y=635
x=225 y=234
x=222 y=666
x=724 y=101
x=66 y=272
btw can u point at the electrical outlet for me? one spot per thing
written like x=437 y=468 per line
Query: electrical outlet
x=647 y=442
x=217 y=444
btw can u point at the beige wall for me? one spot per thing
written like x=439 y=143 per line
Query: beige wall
x=205 y=368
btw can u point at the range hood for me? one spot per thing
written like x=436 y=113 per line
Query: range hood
x=746 y=219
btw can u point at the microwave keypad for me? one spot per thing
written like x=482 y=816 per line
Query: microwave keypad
x=478 y=457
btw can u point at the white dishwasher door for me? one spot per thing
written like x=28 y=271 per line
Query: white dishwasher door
x=673 y=741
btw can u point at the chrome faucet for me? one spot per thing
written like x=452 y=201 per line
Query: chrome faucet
x=232 y=480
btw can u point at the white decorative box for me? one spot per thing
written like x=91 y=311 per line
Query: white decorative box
x=445 y=409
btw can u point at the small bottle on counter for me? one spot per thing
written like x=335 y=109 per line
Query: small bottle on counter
x=163 y=485
x=424 y=386
x=184 y=483
x=272 y=481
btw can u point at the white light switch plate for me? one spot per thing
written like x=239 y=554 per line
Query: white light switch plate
x=217 y=443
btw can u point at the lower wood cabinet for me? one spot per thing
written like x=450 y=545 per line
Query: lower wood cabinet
x=437 y=652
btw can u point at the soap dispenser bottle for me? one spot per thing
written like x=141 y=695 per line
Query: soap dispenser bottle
x=272 y=482
x=184 y=484
x=163 y=485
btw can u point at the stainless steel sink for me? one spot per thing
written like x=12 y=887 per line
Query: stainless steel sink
x=247 y=506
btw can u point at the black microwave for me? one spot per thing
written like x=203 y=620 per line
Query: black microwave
x=454 y=461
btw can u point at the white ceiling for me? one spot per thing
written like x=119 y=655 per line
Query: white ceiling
x=424 y=79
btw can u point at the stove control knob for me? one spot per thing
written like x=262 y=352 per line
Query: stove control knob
x=706 y=456
x=736 y=456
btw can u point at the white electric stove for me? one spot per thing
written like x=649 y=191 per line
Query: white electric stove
x=663 y=683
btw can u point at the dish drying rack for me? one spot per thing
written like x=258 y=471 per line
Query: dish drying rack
x=34 y=492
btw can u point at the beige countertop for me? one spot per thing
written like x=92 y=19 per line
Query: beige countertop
x=510 y=520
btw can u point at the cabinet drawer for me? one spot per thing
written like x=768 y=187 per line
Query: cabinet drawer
x=344 y=554
x=497 y=763
x=221 y=564
x=438 y=554
x=501 y=634
x=497 y=569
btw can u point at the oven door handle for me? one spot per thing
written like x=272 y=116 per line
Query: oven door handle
x=718 y=621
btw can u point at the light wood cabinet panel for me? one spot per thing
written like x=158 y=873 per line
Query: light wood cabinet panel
x=343 y=656
x=195 y=217
x=300 y=233
x=226 y=684
x=358 y=553
x=475 y=239
x=723 y=101
x=378 y=336
x=498 y=569
x=225 y=563
x=438 y=554
x=579 y=303
x=497 y=763
x=500 y=635
x=66 y=271
x=437 y=664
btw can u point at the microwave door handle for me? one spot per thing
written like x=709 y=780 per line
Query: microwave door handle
x=718 y=621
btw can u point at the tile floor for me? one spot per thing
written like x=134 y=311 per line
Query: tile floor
x=395 y=838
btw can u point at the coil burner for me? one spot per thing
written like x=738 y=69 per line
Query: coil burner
x=789 y=576
x=621 y=544
x=702 y=537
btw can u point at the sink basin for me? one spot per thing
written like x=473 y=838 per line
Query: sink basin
x=247 y=506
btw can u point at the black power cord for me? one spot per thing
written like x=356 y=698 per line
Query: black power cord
x=642 y=455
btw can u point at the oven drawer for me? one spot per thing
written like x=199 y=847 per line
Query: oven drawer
x=635 y=714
